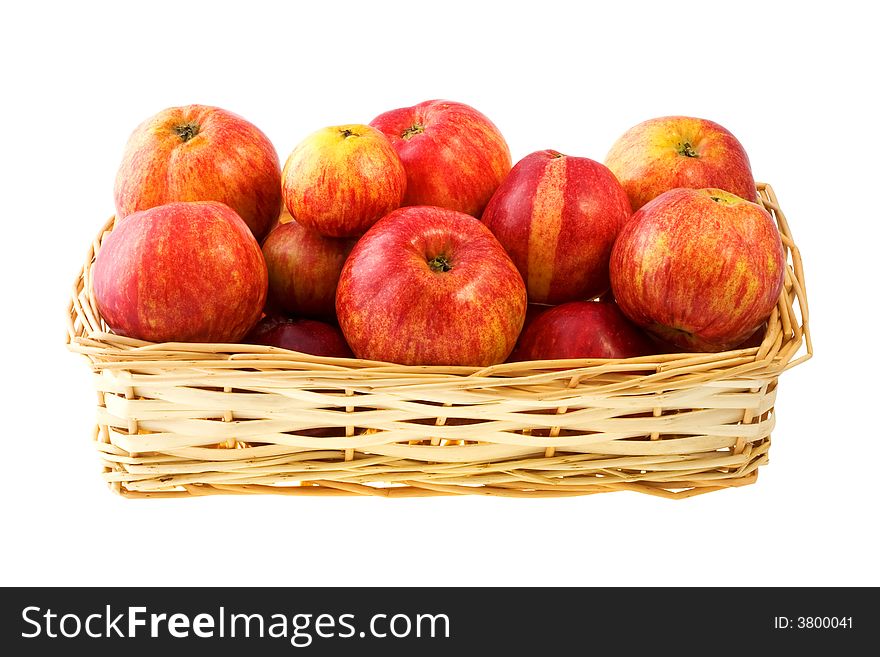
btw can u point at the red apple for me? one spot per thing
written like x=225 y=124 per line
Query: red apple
x=304 y=335
x=283 y=218
x=533 y=311
x=453 y=155
x=756 y=339
x=430 y=286
x=680 y=151
x=582 y=329
x=181 y=272
x=700 y=268
x=200 y=153
x=558 y=216
x=304 y=267
x=340 y=180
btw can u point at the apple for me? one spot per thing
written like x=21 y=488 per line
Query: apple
x=699 y=268
x=533 y=311
x=582 y=329
x=454 y=156
x=680 y=151
x=340 y=180
x=756 y=339
x=307 y=336
x=304 y=267
x=558 y=216
x=181 y=272
x=283 y=218
x=430 y=286
x=201 y=153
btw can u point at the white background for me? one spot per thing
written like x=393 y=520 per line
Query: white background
x=794 y=84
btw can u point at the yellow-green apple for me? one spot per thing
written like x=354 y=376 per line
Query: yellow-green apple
x=430 y=286
x=582 y=329
x=181 y=272
x=201 y=153
x=340 y=180
x=307 y=336
x=454 y=156
x=304 y=267
x=699 y=268
x=558 y=216
x=680 y=151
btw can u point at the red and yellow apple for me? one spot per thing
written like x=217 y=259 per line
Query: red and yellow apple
x=201 y=153
x=340 y=180
x=700 y=268
x=582 y=329
x=454 y=156
x=680 y=151
x=307 y=336
x=558 y=216
x=756 y=339
x=304 y=268
x=430 y=286
x=181 y=272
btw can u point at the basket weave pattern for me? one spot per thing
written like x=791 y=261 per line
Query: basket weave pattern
x=182 y=419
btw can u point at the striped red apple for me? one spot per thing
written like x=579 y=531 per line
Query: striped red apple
x=201 y=153
x=454 y=156
x=430 y=286
x=558 y=216
x=181 y=272
x=700 y=268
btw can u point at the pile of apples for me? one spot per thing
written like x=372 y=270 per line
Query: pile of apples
x=412 y=240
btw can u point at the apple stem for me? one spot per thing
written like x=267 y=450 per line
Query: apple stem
x=439 y=263
x=346 y=133
x=410 y=132
x=686 y=149
x=186 y=131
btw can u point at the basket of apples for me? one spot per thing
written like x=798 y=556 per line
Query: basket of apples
x=400 y=312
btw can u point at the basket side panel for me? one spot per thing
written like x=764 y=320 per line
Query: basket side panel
x=164 y=435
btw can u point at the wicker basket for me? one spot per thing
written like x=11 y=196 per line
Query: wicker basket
x=179 y=419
